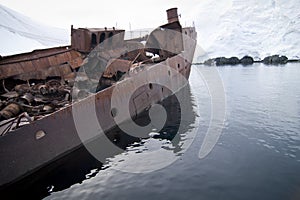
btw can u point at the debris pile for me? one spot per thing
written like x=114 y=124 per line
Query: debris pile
x=37 y=97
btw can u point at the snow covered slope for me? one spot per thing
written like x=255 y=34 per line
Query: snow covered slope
x=225 y=28
x=19 y=34
x=254 y=27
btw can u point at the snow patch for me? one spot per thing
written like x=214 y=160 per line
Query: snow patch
x=19 y=34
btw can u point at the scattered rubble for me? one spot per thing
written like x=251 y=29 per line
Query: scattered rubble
x=35 y=97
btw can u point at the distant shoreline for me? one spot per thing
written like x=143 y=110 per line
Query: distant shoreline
x=247 y=60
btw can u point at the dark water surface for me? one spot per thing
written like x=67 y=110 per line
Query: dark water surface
x=256 y=157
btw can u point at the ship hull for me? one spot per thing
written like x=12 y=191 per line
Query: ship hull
x=24 y=151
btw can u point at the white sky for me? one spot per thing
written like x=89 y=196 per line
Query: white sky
x=100 y=13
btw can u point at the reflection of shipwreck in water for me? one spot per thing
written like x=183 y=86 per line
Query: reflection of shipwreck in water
x=40 y=90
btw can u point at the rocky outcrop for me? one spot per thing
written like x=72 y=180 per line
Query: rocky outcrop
x=227 y=61
x=275 y=60
x=220 y=61
x=234 y=61
x=248 y=60
x=209 y=62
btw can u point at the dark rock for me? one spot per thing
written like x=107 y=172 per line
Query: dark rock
x=271 y=59
x=210 y=62
x=221 y=61
x=247 y=60
x=267 y=60
x=283 y=59
x=275 y=60
x=233 y=61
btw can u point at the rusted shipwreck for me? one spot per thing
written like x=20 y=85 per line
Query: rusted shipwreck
x=40 y=90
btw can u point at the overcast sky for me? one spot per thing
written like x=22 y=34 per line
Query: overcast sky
x=99 y=13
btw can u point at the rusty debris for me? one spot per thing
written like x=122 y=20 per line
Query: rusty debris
x=35 y=98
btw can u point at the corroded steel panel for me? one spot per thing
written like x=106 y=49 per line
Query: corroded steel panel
x=115 y=65
x=37 y=61
x=76 y=62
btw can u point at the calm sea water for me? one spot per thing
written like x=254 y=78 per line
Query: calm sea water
x=256 y=157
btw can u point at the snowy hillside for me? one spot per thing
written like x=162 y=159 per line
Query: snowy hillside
x=19 y=34
x=225 y=28
x=253 y=27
